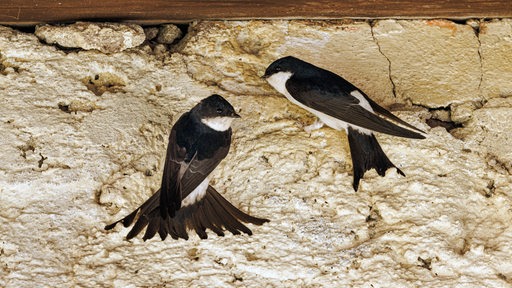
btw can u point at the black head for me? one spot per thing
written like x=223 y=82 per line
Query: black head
x=215 y=106
x=285 y=64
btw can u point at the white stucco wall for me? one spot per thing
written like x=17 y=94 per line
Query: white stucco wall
x=83 y=136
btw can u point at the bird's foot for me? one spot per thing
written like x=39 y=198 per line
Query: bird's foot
x=315 y=126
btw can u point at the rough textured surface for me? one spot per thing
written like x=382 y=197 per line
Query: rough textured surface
x=233 y=55
x=496 y=40
x=489 y=131
x=439 y=54
x=84 y=136
x=105 y=37
x=168 y=34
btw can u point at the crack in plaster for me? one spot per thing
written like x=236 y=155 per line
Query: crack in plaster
x=393 y=85
x=477 y=33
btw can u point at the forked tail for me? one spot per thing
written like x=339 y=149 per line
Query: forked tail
x=367 y=154
x=212 y=212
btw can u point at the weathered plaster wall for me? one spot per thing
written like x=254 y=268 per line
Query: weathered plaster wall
x=84 y=136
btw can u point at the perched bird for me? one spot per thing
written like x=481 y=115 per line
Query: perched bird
x=199 y=140
x=340 y=105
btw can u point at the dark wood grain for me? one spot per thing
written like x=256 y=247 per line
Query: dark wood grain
x=157 y=11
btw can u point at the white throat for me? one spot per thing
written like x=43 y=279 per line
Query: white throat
x=278 y=81
x=218 y=123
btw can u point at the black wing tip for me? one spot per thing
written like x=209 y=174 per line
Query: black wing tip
x=126 y=221
x=406 y=133
x=259 y=221
x=213 y=212
x=110 y=226
x=400 y=171
x=420 y=134
x=381 y=111
x=355 y=183
x=417 y=135
x=419 y=130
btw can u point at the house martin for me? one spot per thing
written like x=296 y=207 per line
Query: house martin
x=342 y=106
x=198 y=142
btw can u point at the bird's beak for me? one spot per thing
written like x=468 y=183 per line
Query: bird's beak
x=235 y=115
x=265 y=76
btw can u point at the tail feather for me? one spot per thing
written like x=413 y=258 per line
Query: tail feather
x=244 y=217
x=203 y=218
x=177 y=229
x=152 y=227
x=366 y=154
x=228 y=221
x=198 y=224
x=163 y=232
x=212 y=212
x=128 y=220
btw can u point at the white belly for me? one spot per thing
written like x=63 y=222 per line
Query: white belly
x=278 y=81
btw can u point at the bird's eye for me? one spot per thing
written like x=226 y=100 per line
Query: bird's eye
x=278 y=68
x=219 y=110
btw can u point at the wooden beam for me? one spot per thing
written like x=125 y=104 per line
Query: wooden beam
x=27 y=12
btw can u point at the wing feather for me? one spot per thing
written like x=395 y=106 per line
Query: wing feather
x=190 y=159
x=335 y=100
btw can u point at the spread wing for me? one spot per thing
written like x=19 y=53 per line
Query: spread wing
x=191 y=157
x=335 y=100
x=212 y=212
x=187 y=164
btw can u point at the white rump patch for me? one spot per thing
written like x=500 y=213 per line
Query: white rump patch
x=362 y=101
x=218 y=123
x=197 y=194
